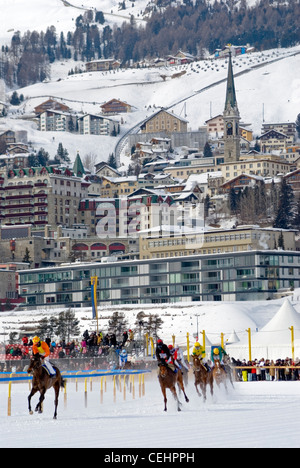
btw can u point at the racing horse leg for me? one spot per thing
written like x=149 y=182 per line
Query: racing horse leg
x=163 y=389
x=39 y=406
x=33 y=392
x=181 y=386
x=56 y=387
x=174 y=393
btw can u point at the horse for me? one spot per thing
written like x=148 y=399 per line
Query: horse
x=219 y=374
x=168 y=379
x=203 y=377
x=41 y=381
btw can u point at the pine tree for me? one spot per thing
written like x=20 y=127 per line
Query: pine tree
x=298 y=125
x=285 y=214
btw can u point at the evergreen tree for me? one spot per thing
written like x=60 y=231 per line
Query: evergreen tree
x=207 y=152
x=298 y=125
x=232 y=200
x=285 y=211
x=118 y=324
x=62 y=154
x=112 y=161
x=15 y=100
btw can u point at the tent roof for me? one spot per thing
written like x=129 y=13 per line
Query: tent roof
x=286 y=317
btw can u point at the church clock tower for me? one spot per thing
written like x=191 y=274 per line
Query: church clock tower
x=231 y=117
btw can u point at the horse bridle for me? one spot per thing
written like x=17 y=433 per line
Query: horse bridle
x=35 y=364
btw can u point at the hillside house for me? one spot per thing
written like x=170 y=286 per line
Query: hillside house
x=114 y=106
x=274 y=141
x=51 y=104
x=181 y=58
x=103 y=169
x=240 y=182
x=287 y=128
x=102 y=65
x=164 y=121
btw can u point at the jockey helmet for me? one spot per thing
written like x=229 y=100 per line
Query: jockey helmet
x=216 y=351
x=197 y=345
x=170 y=346
x=35 y=339
x=159 y=342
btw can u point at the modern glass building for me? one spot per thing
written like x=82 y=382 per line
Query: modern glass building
x=234 y=276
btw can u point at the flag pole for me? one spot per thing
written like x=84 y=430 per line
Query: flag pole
x=94 y=280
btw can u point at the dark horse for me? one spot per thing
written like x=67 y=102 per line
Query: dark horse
x=41 y=382
x=168 y=379
x=203 y=377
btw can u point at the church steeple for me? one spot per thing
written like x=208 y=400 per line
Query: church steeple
x=231 y=118
x=230 y=90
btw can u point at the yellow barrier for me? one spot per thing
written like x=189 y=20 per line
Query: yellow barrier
x=103 y=387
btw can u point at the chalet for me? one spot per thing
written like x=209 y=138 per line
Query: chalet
x=51 y=104
x=181 y=58
x=273 y=140
x=288 y=128
x=103 y=169
x=102 y=65
x=240 y=182
x=293 y=179
x=114 y=106
x=164 y=121
x=235 y=50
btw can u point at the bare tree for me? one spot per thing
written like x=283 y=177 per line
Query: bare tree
x=89 y=160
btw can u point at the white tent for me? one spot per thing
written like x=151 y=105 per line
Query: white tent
x=233 y=338
x=274 y=340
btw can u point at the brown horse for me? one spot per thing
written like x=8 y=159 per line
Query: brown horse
x=168 y=379
x=41 y=382
x=203 y=377
x=219 y=374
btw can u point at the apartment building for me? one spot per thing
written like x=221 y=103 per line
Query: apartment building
x=243 y=238
x=259 y=165
x=91 y=124
x=41 y=196
x=230 y=276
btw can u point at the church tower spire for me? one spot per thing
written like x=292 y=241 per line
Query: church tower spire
x=231 y=117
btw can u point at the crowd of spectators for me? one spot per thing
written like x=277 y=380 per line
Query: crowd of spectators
x=266 y=369
x=93 y=348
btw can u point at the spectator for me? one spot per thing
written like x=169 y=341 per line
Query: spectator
x=125 y=338
x=131 y=335
x=25 y=340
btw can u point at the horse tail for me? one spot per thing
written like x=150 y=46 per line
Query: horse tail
x=62 y=382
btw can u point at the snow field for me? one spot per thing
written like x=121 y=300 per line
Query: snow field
x=253 y=414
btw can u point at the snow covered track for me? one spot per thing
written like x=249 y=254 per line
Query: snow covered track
x=254 y=414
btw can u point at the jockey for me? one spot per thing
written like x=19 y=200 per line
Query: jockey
x=199 y=351
x=172 y=361
x=180 y=357
x=123 y=358
x=41 y=348
x=217 y=352
x=162 y=353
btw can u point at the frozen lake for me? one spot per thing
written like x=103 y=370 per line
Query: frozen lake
x=253 y=414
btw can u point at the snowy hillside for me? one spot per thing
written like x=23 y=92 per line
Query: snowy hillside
x=197 y=94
